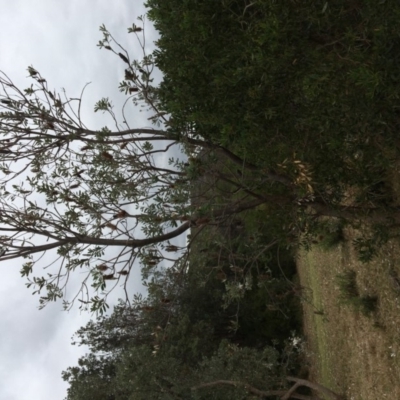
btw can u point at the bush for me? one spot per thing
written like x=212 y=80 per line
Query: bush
x=347 y=285
x=349 y=294
x=329 y=234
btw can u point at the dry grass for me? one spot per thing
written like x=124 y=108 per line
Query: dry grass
x=353 y=354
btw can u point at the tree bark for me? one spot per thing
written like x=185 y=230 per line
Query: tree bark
x=372 y=215
x=285 y=394
x=317 y=387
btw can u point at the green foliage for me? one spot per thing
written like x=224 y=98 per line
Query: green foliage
x=368 y=245
x=347 y=285
x=180 y=337
x=366 y=248
x=349 y=294
x=142 y=373
x=275 y=81
x=94 y=377
x=280 y=76
x=258 y=368
x=368 y=304
x=328 y=234
x=241 y=284
x=145 y=375
x=110 y=334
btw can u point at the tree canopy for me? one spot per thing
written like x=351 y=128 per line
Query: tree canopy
x=134 y=355
x=86 y=190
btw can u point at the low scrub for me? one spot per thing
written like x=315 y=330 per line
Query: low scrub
x=349 y=294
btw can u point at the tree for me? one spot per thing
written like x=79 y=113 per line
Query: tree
x=277 y=83
x=146 y=376
x=88 y=192
x=111 y=334
x=93 y=378
x=82 y=185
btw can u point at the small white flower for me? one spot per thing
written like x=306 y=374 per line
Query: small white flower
x=296 y=341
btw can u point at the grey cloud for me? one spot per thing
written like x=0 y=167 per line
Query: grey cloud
x=59 y=39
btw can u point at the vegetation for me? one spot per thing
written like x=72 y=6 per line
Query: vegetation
x=299 y=115
x=285 y=120
x=349 y=351
x=349 y=294
x=182 y=358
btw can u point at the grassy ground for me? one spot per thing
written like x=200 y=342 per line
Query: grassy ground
x=352 y=353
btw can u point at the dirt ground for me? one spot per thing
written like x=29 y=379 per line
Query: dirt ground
x=353 y=354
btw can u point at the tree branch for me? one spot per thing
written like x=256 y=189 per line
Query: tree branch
x=251 y=389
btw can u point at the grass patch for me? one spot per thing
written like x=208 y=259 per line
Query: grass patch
x=314 y=304
x=355 y=353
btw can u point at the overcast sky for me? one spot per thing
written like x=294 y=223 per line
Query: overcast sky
x=58 y=38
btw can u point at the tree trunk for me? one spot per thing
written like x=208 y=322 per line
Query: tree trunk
x=317 y=387
x=363 y=214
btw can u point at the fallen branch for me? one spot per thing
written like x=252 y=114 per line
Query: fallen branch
x=315 y=386
x=262 y=393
